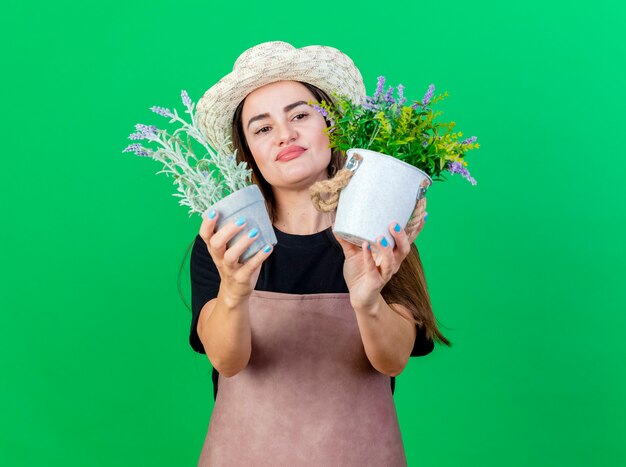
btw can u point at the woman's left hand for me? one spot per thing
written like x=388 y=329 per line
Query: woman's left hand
x=367 y=271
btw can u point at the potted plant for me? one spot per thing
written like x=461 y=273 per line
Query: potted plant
x=394 y=152
x=214 y=181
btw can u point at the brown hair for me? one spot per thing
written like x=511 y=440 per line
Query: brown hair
x=407 y=286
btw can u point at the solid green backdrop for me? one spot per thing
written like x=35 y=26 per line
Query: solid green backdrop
x=525 y=269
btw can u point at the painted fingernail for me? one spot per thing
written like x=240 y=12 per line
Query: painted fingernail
x=384 y=242
x=253 y=233
x=267 y=249
x=240 y=222
x=369 y=247
x=212 y=215
x=426 y=216
x=397 y=228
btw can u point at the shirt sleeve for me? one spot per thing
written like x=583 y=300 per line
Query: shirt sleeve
x=423 y=345
x=205 y=284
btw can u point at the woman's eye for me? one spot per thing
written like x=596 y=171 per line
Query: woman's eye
x=264 y=129
x=301 y=116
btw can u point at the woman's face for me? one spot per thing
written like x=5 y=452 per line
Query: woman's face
x=285 y=135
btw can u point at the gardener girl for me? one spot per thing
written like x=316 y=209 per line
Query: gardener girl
x=306 y=338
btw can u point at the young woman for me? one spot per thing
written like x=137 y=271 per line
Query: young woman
x=305 y=338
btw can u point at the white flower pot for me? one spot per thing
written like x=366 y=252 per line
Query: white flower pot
x=250 y=204
x=382 y=190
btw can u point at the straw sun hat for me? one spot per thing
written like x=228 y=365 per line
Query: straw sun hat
x=324 y=67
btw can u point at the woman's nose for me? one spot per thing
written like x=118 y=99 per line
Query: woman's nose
x=286 y=134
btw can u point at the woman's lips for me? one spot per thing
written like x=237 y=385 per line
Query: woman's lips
x=289 y=155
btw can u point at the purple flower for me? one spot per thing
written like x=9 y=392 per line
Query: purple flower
x=137 y=149
x=144 y=132
x=186 y=99
x=401 y=98
x=147 y=131
x=379 y=88
x=389 y=96
x=368 y=104
x=161 y=111
x=429 y=95
x=457 y=167
x=416 y=104
x=324 y=113
x=469 y=140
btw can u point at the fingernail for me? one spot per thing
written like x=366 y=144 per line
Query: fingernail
x=267 y=248
x=384 y=242
x=253 y=233
x=397 y=228
x=426 y=216
x=212 y=214
x=240 y=222
x=369 y=247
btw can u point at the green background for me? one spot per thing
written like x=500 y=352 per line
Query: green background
x=525 y=269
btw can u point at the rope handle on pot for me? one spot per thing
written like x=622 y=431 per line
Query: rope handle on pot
x=325 y=193
x=415 y=220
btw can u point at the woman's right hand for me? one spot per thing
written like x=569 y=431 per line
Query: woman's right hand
x=237 y=280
